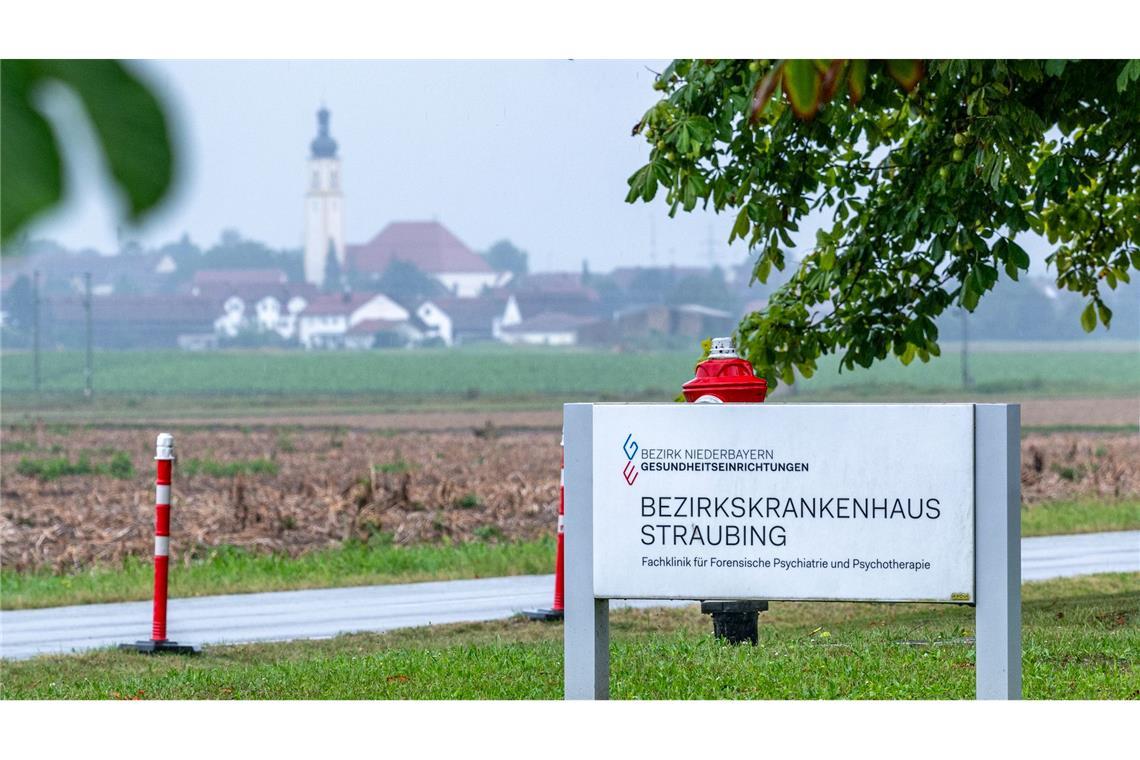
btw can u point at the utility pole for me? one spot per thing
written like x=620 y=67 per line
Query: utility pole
x=36 y=330
x=88 y=364
x=967 y=381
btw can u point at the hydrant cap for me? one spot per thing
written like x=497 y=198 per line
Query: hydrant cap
x=723 y=348
x=725 y=377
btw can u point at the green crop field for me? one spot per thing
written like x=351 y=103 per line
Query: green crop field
x=494 y=372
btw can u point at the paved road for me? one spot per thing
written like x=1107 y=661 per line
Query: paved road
x=321 y=613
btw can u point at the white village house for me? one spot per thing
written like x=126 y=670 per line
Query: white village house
x=327 y=321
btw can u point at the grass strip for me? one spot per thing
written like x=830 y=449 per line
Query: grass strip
x=1081 y=638
x=230 y=570
x=1054 y=518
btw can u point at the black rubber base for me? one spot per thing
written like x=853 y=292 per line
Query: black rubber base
x=544 y=615
x=735 y=621
x=159 y=647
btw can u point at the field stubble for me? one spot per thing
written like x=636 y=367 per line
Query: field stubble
x=293 y=491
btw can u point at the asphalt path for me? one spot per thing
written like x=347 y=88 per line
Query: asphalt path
x=323 y=613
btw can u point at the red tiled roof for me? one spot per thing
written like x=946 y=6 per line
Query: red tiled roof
x=240 y=277
x=252 y=293
x=428 y=245
x=582 y=302
x=336 y=303
x=137 y=308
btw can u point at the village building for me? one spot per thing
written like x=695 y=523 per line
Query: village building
x=128 y=321
x=472 y=320
x=640 y=323
x=327 y=319
x=431 y=248
x=547 y=329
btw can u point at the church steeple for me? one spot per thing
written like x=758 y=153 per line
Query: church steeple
x=324 y=205
x=323 y=146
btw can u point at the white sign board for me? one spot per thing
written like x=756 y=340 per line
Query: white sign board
x=784 y=501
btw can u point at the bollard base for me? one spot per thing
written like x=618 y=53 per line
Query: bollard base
x=544 y=615
x=735 y=621
x=159 y=647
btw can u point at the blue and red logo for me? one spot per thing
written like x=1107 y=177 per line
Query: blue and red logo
x=629 y=448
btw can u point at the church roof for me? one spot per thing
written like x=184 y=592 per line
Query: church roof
x=429 y=245
x=323 y=146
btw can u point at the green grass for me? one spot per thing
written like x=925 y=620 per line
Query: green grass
x=496 y=373
x=229 y=468
x=1080 y=641
x=53 y=468
x=1089 y=516
x=229 y=570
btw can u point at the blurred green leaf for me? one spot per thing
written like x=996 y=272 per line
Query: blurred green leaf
x=129 y=124
x=802 y=85
x=32 y=178
x=1088 y=317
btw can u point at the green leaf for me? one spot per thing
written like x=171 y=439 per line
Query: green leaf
x=129 y=123
x=827 y=259
x=1055 y=68
x=1105 y=314
x=1088 y=317
x=741 y=226
x=857 y=80
x=909 y=354
x=970 y=295
x=1018 y=255
x=763 y=269
x=905 y=72
x=642 y=184
x=1130 y=73
x=802 y=85
x=763 y=92
x=32 y=178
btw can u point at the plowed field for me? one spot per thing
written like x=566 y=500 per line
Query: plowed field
x=295 y=491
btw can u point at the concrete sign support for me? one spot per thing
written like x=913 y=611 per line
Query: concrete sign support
x=997 y=483
x=793 y=502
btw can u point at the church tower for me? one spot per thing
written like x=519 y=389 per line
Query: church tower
x=324 y=205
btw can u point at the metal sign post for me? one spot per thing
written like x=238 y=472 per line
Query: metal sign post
x=971 y=534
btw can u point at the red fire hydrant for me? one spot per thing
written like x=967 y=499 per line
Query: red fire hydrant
x=726 y=378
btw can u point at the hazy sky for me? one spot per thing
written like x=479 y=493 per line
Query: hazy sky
x=534 y=151
x=537 y=152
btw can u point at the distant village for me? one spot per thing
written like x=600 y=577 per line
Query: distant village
x=413 y=284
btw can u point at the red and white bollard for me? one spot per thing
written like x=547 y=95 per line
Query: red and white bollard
x=557 y=611
x=164 y=464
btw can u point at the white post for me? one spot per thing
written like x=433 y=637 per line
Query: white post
x=997 y=550
x=587 y=630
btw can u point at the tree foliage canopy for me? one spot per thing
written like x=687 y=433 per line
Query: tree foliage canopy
x=504 y=256
x=926 y=173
